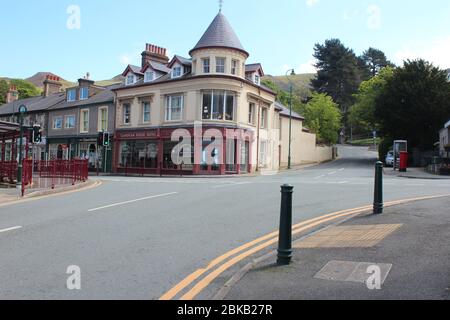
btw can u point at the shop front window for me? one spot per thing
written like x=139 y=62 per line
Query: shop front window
x=139 y=154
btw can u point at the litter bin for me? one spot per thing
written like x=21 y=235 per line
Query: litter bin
x=403 y=161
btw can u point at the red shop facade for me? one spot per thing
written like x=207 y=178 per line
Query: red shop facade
x=149 y=152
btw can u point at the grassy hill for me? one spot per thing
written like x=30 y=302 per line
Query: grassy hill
x=301 y=83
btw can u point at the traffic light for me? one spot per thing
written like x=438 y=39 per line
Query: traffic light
x=37 y=134
x=101 y=135
x=106 y=139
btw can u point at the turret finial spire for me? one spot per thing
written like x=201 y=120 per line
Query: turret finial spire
x=220 y=5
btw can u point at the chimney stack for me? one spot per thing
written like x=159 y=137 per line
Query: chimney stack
x=12 y=94
x=52 y=85
x=154 y=53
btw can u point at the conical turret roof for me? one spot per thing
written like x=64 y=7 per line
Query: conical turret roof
x=220 y=34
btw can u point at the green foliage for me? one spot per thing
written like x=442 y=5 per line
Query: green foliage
x=26 y=89
x=301 y=83
x=414 y=104
x=339 y=73
x=3 y=90
x=283 y=96
x=386 y=145
x=362 y=113
x=375 y=60
x=323 y=117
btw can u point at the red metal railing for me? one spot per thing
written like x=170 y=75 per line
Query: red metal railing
x=8 y=171
x=73 y=170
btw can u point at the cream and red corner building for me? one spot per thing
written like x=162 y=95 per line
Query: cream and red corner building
x=214 y=86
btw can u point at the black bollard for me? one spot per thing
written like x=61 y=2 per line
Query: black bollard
x=285 y=236
x=378 y=204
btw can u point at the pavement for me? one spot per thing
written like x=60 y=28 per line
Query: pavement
x=407 y=242
x=415 y=173
x=141 y=237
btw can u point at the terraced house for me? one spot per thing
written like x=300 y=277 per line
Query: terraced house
x=214 y=86
x=37 y=115
x=75 y=123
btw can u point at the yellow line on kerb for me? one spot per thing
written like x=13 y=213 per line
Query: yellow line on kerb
x=269 y=239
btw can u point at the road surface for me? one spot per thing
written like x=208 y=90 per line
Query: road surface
x=136 y=238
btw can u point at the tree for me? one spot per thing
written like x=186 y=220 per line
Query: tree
x=375 y=60
x=362 y=113
x=339 y=73
x=3 y=90
x=323 y=117
x=26 y=89
x=414 y=104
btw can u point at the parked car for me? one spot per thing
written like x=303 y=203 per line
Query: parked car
x=390 y=159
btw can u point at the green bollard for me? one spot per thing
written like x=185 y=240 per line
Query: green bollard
x=378 y=204
x=285 y=236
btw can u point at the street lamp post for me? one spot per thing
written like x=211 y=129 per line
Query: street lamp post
x=292 y=73
x=22 y=112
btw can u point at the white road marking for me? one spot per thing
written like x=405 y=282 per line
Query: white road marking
x=342 y=169
x=231 y=185
x=10 y=229
x=332 y=173
x=319 y=177
x=133 y=201
x=343 y=182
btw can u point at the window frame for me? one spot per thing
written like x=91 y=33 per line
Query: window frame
x=82 y=121
x=100 y=120
x=226 y=94
x=69 y=97
x=234 y=67
x=251 y=113
x=55 y=118
x=144 y=104
x=65 y=121
x=264 y=118
x=148 y=72
x=168 y=109
x=219 y=65
x=86 y=90
x=128 y=77
x=174 y=75
x=127 y=106
x=204 y=66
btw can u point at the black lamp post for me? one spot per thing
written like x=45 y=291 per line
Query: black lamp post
x=292 y=73
x=22 y=111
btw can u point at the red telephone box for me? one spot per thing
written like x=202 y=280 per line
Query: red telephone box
x=403 y=161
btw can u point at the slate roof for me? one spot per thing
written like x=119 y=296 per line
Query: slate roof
x=159 y=66
x=285 y=111
x=182 y=60
x=253 y=67
x=33 y=104
x=220 y=34
x=105 y=96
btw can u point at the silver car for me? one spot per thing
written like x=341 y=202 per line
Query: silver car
x=390 y=159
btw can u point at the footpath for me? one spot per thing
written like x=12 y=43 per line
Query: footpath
x=405 y=251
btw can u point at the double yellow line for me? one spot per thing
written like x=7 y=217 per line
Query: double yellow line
x=221 y=264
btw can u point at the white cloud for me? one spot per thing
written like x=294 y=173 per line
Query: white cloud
x=312 y=3
x=435 y=50
x=374 y=19
x=307 y=67
x=125 y=59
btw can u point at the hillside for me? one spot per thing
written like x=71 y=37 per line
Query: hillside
x=38 y=80
x=301 y=83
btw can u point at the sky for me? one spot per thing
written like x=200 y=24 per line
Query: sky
x=70 y=38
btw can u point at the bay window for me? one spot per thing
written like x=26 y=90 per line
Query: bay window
x=174 y=108
x=218 y=105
